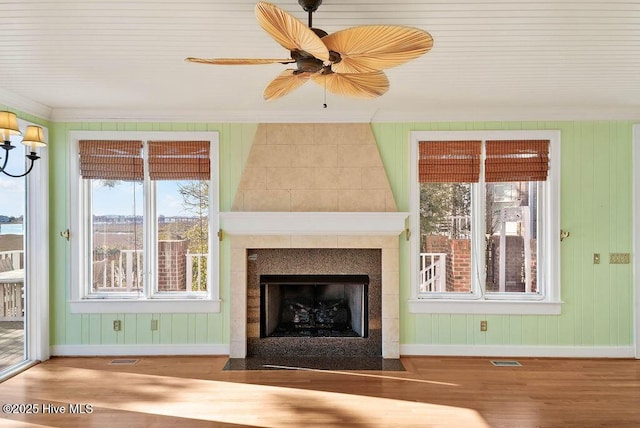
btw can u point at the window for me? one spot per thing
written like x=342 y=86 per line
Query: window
x=147 y=215
x=485 y=208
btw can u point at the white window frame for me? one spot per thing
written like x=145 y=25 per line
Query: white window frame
x=150 y=301
x=636 y=231
x=37 y=257
x=478 y=302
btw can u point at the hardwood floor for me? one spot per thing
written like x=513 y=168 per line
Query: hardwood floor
x=432 y=392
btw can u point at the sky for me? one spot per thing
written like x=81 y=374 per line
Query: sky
x=118 y=200
x=12 y=196
x=112 y=201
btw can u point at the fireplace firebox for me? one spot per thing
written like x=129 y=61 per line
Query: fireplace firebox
x=348 y=280
x=314 y=306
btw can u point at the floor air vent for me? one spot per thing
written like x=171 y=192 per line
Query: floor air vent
x=506 y=363
x=123 y=362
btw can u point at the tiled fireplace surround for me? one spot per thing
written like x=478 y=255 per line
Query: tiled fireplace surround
x=314 y=186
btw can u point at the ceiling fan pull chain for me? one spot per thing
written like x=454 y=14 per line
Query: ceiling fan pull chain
x=325 y=92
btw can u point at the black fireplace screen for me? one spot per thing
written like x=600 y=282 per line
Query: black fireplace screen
x=313 y=305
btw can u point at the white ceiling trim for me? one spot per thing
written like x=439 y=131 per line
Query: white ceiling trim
x=210 y=116
x=25 y=105
x=523 y=113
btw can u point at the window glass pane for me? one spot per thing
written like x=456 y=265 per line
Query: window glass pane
x=511 y=237
x=117 y=240
x=182 y=240
x=445 y=237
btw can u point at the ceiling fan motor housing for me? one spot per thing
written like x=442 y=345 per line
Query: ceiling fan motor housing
x=310 y=5
x=319 y=32
x=306 y=63
x=310 y=64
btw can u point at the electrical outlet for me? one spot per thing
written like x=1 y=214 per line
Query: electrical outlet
x=619 y=258
x=154 y=325
x=117 y=325
x=483 y=326
x=596 y=258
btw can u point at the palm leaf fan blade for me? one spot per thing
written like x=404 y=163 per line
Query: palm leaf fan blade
x=289 y=32
x=356 y=85
x=240 y=61
x=284 y=83
x=376 y=47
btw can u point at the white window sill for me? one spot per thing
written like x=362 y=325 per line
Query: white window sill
x=155 y=306
x=498 y=307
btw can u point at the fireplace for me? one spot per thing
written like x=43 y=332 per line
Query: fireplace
x=312 y=186
x=314 y=305
x=314 y=302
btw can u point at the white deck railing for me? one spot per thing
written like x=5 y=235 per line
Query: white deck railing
x=433 y=272
x=16 y=257
x=12 y=294
x=197 y=282
x=125 y=272
x=12 y=302
x=455 y=227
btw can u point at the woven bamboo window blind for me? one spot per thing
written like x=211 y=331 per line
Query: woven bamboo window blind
x=449 y=161
x=179 y=160
x=508 y=160
x=111 y=160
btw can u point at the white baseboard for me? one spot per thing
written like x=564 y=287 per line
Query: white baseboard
x=405 y=350
x=518 y=351
x=141 y=350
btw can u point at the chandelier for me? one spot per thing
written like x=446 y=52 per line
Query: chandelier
x=33 y=138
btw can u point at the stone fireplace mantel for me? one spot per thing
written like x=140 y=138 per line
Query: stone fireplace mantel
x=313 y=223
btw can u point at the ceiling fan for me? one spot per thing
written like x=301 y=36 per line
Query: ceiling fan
x=347 y=62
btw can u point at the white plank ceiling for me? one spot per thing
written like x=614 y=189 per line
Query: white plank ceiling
x=492 y=60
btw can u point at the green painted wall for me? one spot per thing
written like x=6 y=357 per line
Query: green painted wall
x=596 y=198
x=96 y=329
x=596 y=209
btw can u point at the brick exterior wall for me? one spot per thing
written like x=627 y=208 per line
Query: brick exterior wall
x=458 y=253
x=459 y=272
x=172 y=265
x=460 y=261
x=436 y=244
x=514 y=264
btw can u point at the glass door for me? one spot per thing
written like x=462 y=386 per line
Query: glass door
x=13 y=292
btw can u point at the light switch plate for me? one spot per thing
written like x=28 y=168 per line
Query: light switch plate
x=619 y=258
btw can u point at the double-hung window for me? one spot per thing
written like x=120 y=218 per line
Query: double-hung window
x=144 y=222
x=485 y=211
